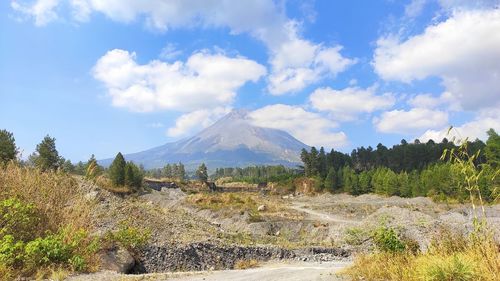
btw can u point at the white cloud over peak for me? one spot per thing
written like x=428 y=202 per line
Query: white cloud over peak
x=205 y=80
x=196 y=120
x=308 y=127
x=345 y=104
x=476 y=128
x=413 y=121
x=462 y=51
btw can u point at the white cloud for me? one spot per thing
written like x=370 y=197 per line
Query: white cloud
x=204 y=81
x=295 y=62
x=345 y=104
x=430 y=101
x=42 y=11
x=308 y=127
x=476 y=128
x=462 y=51
x=414 y=121
x=196 y=120
x=170 y=52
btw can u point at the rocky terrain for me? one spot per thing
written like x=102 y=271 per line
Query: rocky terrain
x=210 y=232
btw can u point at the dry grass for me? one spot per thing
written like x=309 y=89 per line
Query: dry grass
x=450 y=257
x=59 y=205
x=55 y=196
x=245 y=264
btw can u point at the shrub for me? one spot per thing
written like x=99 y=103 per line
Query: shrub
x=11 y=251
x=129 y=237
x=17 y=218
x=386 y=239
x=456 y=267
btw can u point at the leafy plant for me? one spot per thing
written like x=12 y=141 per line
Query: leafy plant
x=386 y=239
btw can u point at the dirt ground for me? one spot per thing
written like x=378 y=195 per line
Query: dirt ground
x=288 y=222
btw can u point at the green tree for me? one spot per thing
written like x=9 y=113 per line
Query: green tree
x=92 y=169
x=202 y=173
x=331 y=180
x=46 y=156
x=8 y=150
x=117 y=170
x=492 y=149
x=133 y=175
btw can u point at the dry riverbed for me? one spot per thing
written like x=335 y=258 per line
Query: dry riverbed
x=203 y=236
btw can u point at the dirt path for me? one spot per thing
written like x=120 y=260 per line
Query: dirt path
x=276 y=271
x=317 y=215
x=292 y=271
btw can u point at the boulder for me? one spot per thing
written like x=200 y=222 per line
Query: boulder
x=117 y=259
x=261 y=208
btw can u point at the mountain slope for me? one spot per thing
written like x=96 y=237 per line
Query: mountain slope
x=232 y=141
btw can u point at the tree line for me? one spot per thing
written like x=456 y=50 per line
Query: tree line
x=47 y=158
x=257 y=174
x=406 y=169
x=172 y=171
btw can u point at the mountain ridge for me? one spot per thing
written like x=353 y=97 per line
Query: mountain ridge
x=232 y=141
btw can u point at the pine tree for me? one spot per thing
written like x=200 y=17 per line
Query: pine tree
x=331 y=180
x=492 y=149
x=46 y=156
x=202 y=173
x=117 y=170
x=8 y=150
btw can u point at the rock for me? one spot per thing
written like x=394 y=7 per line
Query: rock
x=92 y=195
x=261 y=208
x=117 y=259
x=277 y=233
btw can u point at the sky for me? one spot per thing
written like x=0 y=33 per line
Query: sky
x=103 y=76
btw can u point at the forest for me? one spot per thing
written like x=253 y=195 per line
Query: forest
x=406 y=169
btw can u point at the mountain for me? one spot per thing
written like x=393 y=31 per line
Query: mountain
x=232 y=141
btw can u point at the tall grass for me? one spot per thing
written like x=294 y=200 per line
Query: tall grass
x=44 y=224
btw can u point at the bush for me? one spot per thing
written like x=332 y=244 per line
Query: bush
x=44 y=224
x=129 y=237
x=386 y=239
x=17 y=218
x=456 y=267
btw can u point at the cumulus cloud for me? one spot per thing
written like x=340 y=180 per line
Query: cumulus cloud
x=462 y=51
x=308 y=127
x=295 y=62
x=476 y=128
x=413 y=121
x=431 y=101
x=42 y=11
x=205 y=80
x=196 y=120
x=345 y=104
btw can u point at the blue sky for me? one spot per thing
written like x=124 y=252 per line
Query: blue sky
x=107 y=76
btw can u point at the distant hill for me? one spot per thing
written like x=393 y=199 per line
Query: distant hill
x=232 y=141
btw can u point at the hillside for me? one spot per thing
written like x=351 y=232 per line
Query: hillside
x=232 y=141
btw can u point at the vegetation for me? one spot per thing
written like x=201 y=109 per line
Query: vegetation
x=8 y=149
x=258 y=174
x=451 y=256
x=123 y=173
x=170 y=171
x=39 y=230
x=46 y=156
x=407 y=170
x=202 y=173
